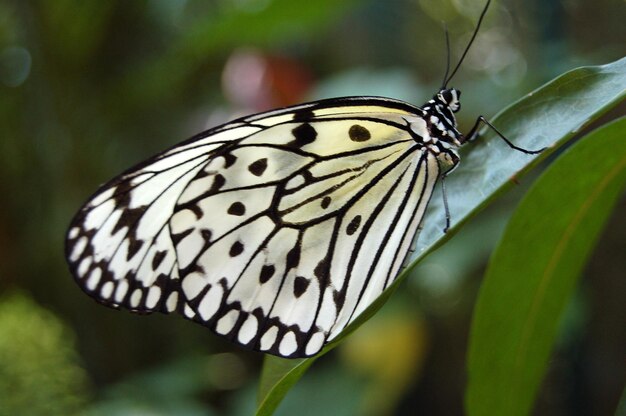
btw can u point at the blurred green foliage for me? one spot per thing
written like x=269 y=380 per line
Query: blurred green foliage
x=175 y=387
x=39 y=367
x=88 y=88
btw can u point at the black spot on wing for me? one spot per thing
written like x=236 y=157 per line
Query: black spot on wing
x=229 y=160
x=339 y=297
x=218 y=182
x=300 y=285
x=257 y=168
x=303 y=134
x=121 y=196
x=134 y=246
x=206 y=235
x=359 y=133
x=293 y=258
x=322 y=270
x=236 y=249
x=267 y=271
x=237 y=209
x=325 y=202
x=353 y=225
x=157 y=259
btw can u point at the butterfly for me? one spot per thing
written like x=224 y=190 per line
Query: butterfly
x=275 y=230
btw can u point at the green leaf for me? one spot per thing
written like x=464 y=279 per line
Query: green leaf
x=533 y=271
x=278 y=377
x=549 y=116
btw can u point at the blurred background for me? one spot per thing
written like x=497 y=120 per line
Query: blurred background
x=88 y=88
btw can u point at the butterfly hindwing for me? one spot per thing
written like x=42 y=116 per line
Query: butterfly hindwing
x=119 y=246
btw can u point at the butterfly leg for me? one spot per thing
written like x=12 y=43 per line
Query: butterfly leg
x=445 y=202
x=473 y=134
x=444 y=175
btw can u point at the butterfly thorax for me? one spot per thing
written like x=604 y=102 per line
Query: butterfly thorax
x=436 y=128
x=439 y=116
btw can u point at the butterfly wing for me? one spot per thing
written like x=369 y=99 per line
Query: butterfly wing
x=275 y=235
x=118 y=245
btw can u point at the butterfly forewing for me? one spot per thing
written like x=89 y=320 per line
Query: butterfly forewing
x=275 y=231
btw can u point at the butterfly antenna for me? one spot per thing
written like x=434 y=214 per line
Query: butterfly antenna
x=445 y=77
x=480 y=20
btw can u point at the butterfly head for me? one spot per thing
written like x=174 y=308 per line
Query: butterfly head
x=438 y=116
x=449 y=97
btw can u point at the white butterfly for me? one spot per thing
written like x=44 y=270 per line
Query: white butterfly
x=276 y=230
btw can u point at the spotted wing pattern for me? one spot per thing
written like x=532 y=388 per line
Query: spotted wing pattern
x=275 y=231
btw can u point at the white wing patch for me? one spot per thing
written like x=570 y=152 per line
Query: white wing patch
x=275 y=231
